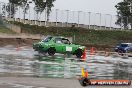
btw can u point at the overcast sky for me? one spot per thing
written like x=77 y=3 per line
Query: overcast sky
x=97 y=6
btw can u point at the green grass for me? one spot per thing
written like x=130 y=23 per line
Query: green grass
x=82 y=36
x=5 y=30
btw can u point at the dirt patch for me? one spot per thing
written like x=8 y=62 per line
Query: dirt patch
x=29 y=42
x=16 y=41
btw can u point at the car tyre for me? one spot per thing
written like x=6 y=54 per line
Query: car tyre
x=120 y=52
x=79 y=53
x=85 y=81
x=51 y=51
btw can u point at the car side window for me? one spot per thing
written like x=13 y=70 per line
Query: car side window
x=58 y=40
x=65 y=41
x=130 y=45
x=47 y=39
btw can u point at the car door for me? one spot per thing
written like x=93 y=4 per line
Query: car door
x=66 y=45
x=58 y=45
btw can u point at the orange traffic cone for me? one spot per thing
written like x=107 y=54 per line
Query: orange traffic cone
x=86 y=74
x=92 y=52
x=84 y=55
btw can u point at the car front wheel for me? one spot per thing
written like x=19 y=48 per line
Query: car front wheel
x=85 y=81
x=79 y=53
x=51 y=51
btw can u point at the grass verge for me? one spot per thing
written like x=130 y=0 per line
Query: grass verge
x=89 y=37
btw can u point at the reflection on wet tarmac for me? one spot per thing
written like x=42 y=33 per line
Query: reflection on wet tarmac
x=26 y=62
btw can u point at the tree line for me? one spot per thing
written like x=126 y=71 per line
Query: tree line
x=40 y=6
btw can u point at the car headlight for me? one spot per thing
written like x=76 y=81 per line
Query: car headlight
x=81 y=47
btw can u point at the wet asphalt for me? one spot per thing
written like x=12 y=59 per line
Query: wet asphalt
x=24 y=68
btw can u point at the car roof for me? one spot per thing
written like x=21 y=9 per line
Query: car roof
x=59 y=37
x=56 y=37
x=127 y=43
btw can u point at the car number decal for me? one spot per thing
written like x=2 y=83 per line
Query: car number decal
x=68 y=48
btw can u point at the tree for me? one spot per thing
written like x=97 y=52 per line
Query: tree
x=41 y=5
x=124 y=13
x=12 y=7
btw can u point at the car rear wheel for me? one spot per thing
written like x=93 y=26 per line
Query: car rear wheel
x=51 y=51
x=79 y=53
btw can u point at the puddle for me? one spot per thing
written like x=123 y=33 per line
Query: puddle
x=26 y=62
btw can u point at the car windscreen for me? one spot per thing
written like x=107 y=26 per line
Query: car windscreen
x=58 y=40
x=124 y=45
x=47 y=39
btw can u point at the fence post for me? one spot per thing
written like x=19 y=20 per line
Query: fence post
x=78 y=17
x=67 y=17
x=89 y=19
x=110 y=22
x=100 y=20
x=29 y=12
x=34 y=17
x=105 y=20
x=56 y=16
x=62 y=18
x=45 y=22
x=73 y=14
x=84 y=18
x=19 y=15
x=94 y=20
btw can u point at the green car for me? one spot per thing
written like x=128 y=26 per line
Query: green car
x=52 y=45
